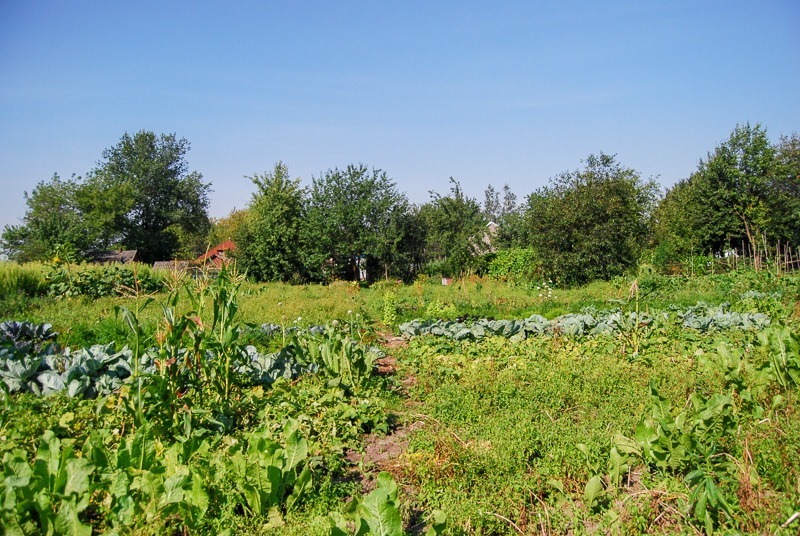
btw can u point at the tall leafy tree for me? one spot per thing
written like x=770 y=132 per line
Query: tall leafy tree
x=142 y=192
x=268 y=239
x=591 y=223
x=784 y=200
x=733 y=184
x=53 y=222
x=455 y=231
x=349 y=219
x=746 y=191
x=675 y=227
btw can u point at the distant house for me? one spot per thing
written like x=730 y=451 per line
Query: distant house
x=127 y=256
x=218 y=255
x=176 y=266
x=489 y=236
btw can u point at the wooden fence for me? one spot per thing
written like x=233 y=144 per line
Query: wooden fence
x=779 y=259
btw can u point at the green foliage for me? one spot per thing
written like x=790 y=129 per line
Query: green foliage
x=783 y=348
x=500 y=428
x=270 y=476
x=92 y=281
x=390 y=309
x=700 y=317
x=378 y=514
x=268 y=237
x=745 y=191
x=49 y=496
x=16 y=279
x=593 y=223
x=455 y=229
x=340 y=358
x=516 y=264
x=351 y=215
x=227 y=228
x=141 y=195
x=54 y=219
x=142 y=190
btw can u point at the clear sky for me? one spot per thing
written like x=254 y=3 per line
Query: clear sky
x=486 y=92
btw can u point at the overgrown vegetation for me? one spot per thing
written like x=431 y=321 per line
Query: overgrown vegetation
x=223 y=406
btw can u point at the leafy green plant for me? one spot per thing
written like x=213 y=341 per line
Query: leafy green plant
x=783 y=349
x=390 y=308
x=68 y=281
x=26 y=337
x=378 y=514
x=691 y=444
x=48 y=497
x=634 y=326
x=340 y=358
x=270 y=477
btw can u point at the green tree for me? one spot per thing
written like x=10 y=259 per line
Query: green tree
x=142 y=193
x=674 y=225
x=591 y=223
x=350 y=219
x=784 y=199
x=456 y=227
x=53 y=221
x=733 y=185
x=746 y=191
x=226 y=228
x=268 y=240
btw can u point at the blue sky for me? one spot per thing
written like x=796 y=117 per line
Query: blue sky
x=500 y=92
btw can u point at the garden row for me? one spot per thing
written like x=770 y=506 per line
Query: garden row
x=192 y=430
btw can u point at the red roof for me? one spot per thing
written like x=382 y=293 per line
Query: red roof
x=217 y=253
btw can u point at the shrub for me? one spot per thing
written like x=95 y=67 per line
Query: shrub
x=515 y=264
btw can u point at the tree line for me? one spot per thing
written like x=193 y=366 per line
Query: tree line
x=596 y=222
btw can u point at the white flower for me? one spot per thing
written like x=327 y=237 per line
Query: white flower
x=540 y=294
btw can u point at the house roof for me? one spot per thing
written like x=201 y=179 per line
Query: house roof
x=171 y=265
x=122 y=256
x=217 y=251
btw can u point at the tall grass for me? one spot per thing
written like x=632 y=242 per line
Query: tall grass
x=21 y=279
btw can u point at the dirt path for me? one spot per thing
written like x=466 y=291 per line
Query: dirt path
x=385 y=453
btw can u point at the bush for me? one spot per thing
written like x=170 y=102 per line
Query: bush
x=516 y=264
x=65 y=280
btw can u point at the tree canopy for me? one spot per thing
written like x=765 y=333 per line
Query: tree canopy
x=140 y=196
x=54 y=223
x=591 y=223
x=268 y=240
x=744 y=192
x=349 y=219
x=456 y=227
x=144 y=195
x=596 y=222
